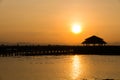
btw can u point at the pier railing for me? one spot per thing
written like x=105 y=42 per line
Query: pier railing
x=28 y=50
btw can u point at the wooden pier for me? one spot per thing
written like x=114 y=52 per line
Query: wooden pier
x=29 y=50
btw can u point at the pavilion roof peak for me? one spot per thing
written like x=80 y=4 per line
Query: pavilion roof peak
x=94 y=37
x=94 y=40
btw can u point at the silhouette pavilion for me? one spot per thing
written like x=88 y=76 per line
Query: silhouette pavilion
x=94 y=41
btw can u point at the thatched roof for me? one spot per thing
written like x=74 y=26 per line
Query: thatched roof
x=94 y=40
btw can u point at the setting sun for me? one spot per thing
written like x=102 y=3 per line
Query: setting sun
x=76 y=28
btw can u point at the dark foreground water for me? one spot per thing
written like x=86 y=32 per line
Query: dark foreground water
x=70 y=67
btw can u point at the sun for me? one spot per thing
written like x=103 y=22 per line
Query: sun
x=76 y=28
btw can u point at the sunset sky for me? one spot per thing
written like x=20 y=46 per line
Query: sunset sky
x=50 y=21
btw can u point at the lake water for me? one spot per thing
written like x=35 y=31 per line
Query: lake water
x=69 y=67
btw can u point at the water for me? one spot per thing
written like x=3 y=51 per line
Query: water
x=70 y=67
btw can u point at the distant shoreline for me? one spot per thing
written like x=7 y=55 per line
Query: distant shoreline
x=37 y=50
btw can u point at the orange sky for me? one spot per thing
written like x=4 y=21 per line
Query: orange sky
x=49 y=21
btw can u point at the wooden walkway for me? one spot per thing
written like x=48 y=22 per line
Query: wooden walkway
x=57 y=50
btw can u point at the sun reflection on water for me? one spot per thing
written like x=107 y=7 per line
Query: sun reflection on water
x=76 y=67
